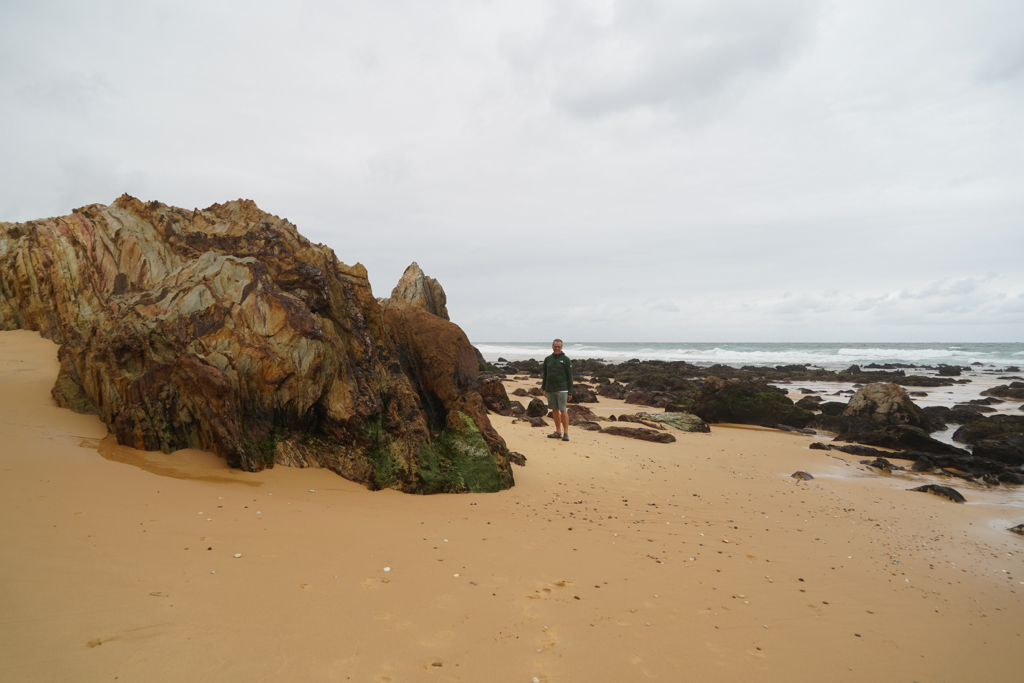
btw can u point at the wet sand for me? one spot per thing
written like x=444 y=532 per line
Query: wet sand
x=610 y=560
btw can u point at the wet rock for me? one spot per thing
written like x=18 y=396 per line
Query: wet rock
x=832 y=408
x=492 y=391
x=517 y=458
x=578 y=413
x=1013 y=390
x=516 y=409
x=919 y=394
x=746 y=402
x=941 y=491
x=1019 y=529
x=805 y=390
x=809 y=402
x=989 y=427
x=520 y=392
x=640 y=433
x=974 y=408
x=1006 y=448
x=940 y=416
x=948 y=370
x=1015 y=478
x=637 y=420
x=800 y=474
x=536 y=408
x=684 y=422
x=581 y=393
x=535 y=391
x=989 y=401
x=882 y=464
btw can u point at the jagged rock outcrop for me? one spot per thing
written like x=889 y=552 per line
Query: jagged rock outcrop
x=224 y=329
x=417 y=290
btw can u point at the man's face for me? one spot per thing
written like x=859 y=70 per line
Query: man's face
x=556 y=346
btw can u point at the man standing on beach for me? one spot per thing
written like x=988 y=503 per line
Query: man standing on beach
x=556 y=381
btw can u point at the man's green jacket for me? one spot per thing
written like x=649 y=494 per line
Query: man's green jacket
x=556 y=373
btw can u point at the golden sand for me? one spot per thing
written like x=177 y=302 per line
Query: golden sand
x=610 y=560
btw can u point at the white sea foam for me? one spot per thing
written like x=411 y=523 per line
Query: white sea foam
x=825 y=355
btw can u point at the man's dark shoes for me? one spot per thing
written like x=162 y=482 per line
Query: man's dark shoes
x=554 y=435
x=565 y=437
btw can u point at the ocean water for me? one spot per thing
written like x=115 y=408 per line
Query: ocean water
x=828 y=356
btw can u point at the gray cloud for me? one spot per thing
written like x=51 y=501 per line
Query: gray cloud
x=622 y=171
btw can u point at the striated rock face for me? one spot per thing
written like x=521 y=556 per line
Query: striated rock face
x=417 y=290
x=224 y=329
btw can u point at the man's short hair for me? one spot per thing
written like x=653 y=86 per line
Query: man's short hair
x=557 y=340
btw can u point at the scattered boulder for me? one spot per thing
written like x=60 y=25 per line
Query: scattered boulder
x=898 y=437
x=588 y=426
x=517 y=458
x=536 y=408
x=492 y=391
x=639 y=433
x=578 y=413
x=882 y=464
x=948 y=370
x=516 y=409
x=832 y=408
x=520 y=392
x=809 y=402
x=989 y=427
x=800 y=474
x=535 y=391
x=684 y=422
x=1019 y=529
x=747 y=402
x=1013 y=390
x=537 y=422
x=941 y=491
x=581 y=393
x=1006 y=448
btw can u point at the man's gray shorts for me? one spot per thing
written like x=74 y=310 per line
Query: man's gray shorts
x=557 y=399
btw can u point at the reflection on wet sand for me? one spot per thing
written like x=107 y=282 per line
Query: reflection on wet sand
x=183 y=464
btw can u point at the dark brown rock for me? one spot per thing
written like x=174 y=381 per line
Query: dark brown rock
x=640 y=433
x=536 y=408
x=579 y=413
x=492 y=391
x=747 y=402
x=941 y=491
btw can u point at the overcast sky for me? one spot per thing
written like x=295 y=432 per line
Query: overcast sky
x=599 y=171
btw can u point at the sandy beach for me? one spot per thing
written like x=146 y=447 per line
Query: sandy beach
x=610 y=560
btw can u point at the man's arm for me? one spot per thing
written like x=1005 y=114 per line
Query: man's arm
x=570 y=377
x=544 y=374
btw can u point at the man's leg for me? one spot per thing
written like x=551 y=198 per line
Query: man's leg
x=562 y=415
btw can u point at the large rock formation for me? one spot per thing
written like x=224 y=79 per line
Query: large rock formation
x=745 y=402
x=224 y=329
x=886 y=404
x=417 y=290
